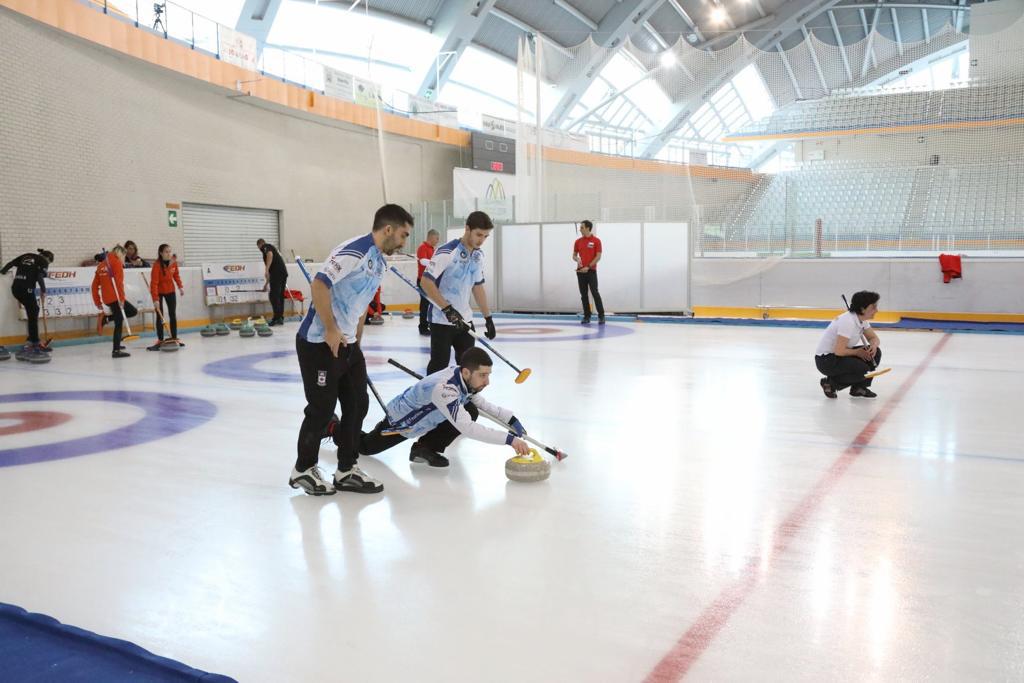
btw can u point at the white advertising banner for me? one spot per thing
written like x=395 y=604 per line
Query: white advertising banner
x=366 y=93
x=69 y=291
x=233 y=283
x=494 y=125
x=434 y=112
x=561 y=139
x=493 y=193
x=339 y=84
x=237 y=48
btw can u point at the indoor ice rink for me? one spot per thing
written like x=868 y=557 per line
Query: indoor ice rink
x=750 y=490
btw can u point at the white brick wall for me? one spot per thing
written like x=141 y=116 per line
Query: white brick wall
x=93 y=143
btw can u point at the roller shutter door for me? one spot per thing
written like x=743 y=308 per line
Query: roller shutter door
x=227 y=233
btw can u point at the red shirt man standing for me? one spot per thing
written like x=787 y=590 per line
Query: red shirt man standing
x=586 y=252
x=424 y=253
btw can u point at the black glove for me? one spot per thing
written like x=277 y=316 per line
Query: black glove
x=489 y=330
x=455 y=318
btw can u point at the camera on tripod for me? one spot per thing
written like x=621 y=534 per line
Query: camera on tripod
x=158 y=10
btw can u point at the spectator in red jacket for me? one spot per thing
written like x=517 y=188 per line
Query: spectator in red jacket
x=424 y=253
x=163 y=278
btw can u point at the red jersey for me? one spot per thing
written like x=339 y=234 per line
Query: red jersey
x=163 y=278
x=588 y=248
x=424 y=251
x=102 y=282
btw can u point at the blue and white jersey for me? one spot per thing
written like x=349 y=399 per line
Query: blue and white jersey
x=439 y=397
x=353 y=271
x=455 y=270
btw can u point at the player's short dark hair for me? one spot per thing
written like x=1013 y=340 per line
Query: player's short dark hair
x=474 y=357
x=260 y=242
x=393 y=215
x=861 y=300
x=46 y=253
x=432 y=232
x=586 y=224
x=478 y=220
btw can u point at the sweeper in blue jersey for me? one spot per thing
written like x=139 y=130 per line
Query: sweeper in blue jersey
x=330 y=360
x=456 y=271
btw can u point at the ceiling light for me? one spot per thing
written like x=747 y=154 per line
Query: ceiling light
x=668 y=59
x=719 y=15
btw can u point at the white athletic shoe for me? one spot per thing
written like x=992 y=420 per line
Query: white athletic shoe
x=311 y=481
x=356 y=480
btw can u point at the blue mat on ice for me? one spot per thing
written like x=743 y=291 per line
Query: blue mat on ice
x=35 y=647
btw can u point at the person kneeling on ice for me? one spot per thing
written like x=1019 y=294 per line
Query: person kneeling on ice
x=435 y=409
x=841 y=354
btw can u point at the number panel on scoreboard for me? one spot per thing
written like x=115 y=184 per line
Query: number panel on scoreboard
x=493 y=153
x=69 y=292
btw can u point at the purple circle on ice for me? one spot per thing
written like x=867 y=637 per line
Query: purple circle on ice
x=165 y=415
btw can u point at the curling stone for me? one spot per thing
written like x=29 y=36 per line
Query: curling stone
x=170 y=345
x=407 y=314
x=208 y=331
x=38 y=357
x=247 y=331
x=222 y=329
x=235 y=324
x=4 y=353
x=264 y=331
x=527 y=468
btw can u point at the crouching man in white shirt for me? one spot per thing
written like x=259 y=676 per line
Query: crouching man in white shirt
x=842 y=356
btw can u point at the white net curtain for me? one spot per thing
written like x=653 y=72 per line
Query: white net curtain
x=867 y=170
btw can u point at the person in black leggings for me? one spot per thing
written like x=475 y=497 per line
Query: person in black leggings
x=163 y=279
x=31 y=271
x=108 y=289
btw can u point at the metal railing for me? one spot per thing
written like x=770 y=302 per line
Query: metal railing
x=180 y=24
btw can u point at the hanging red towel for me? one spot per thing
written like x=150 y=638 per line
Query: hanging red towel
x=950 y=265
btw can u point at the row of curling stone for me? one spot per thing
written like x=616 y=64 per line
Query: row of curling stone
x=37 y=354
x=248 y=328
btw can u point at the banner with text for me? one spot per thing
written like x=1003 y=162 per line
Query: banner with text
x=338 y=84
x=234 y=283
x=366 y=93
x=561 y=139
x=434 y=112
x=237 y=48
x=69 y=292
x=493 y=193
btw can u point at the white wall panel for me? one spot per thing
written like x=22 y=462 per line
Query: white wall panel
x=665 y=267
x=619 y=272
x=520 y=267
x=561 y=293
